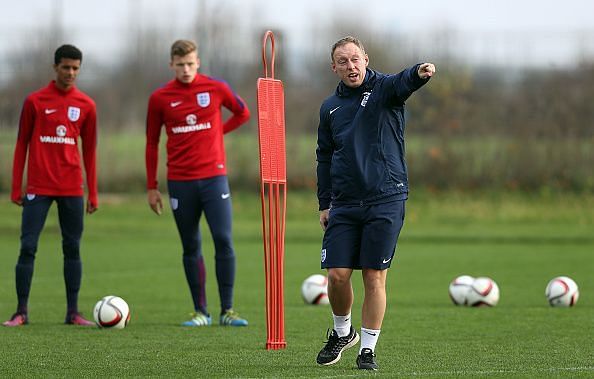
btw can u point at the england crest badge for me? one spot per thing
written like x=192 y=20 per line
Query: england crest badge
x=73 y=113
x=203 y=99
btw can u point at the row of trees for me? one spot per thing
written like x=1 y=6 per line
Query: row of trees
x=540 y=117
x=528 y=102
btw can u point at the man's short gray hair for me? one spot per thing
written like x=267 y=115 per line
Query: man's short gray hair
x=344 y=41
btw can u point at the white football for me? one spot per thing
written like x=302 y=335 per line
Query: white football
x=111 y=312
x=459 y=288
x=315 y=289
x=483 y=292
x=562 y=292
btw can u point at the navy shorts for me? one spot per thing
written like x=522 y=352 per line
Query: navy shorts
x=362 y=236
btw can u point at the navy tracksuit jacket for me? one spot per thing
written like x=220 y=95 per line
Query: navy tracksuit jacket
x=360 y=150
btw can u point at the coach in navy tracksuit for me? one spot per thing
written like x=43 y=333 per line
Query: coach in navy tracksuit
x=362 y=188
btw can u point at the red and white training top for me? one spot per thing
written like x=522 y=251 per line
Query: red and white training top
x=193 y=122
x=52 y=120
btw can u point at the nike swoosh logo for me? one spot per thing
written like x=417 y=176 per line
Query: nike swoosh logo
x=50 y=111
x=387 y=260
x=175 y=103
x=225 y=196
x=372 y=334
x=333 y=110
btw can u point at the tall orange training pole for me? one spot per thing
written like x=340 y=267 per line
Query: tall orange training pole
x=273 y=192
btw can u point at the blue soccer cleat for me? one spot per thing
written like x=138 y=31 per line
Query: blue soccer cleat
x=198 y=319
x=231 y=318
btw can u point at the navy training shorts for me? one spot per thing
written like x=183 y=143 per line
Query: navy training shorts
x=362 y=236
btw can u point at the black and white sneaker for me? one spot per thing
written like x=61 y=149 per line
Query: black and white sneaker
x=335 y=345
x=366 y=360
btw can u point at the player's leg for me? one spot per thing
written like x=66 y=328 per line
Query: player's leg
x=374 y=308
x=340 y=290
x=378 y=243
x=340 y=256
x=35 y=209
x=184 y=198
x=70 y=215
x=216 y=197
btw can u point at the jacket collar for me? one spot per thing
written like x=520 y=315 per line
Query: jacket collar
x=57 y=89
x=342 y=90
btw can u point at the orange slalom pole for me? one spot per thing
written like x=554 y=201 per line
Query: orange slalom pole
x=271 y=137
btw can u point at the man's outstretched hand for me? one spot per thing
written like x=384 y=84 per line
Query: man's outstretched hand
x=426 y=70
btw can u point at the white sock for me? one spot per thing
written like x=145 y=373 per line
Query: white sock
x=369 y=338
x=342 y=324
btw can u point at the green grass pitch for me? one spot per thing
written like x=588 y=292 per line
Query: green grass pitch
x=519 y=240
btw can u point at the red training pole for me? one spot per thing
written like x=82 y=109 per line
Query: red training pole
x=273 y=194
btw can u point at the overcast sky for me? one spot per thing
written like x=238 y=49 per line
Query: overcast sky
x=500 y=14
x=551 y=32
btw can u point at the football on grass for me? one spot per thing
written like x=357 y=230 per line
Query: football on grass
x=111 y=312
x=562 y=292
x=483 y=292
x=314 y=289
x=459 y=288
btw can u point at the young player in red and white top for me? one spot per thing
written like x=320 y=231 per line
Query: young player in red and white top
x=52 y=121
x=189 y=107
